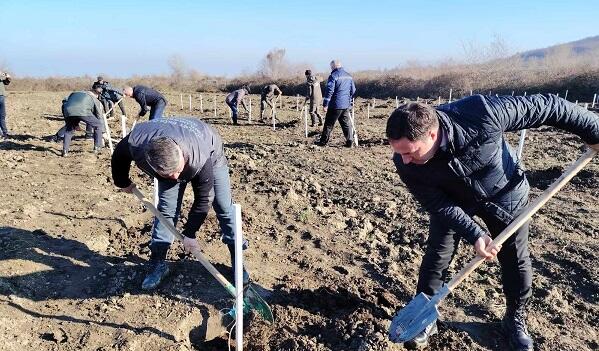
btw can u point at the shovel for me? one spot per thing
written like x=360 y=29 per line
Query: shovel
x=422 y=310
x=252 y=300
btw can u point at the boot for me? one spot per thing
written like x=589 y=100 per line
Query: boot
x=349 y=143
x=421 y=340
x=157 y=267
x=514 y=328
x=246 y=276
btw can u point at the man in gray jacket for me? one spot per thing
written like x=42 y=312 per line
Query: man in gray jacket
x=83 y=106
x=178 y=151
x=314 y=97
x=4 y=80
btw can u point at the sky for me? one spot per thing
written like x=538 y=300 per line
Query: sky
x=124 y=38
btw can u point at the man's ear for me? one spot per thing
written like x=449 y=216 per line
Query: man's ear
x=433 y=134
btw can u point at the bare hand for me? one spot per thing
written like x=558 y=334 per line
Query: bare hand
x=129 y=189
x=595 y=147
x=190 y=244
x=325 y=108
x=484 y=247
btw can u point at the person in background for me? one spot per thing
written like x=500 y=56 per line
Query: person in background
x=83 y=106
x=269 y=93
x=147 y=98
x=4 y=80
x=337 y=104
x=234 y=98
x=314 y=97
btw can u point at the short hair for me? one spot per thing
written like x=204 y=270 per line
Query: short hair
x=413 y=121
x=308 y=72
x=127 y=90
x=336 y=63
x=97 y=85
x=100 y=78
x=162 y=155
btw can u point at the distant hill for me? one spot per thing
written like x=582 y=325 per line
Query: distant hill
x=582 y=46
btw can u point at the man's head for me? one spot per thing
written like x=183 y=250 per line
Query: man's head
x=97 y=88
x=335 y=64
x=308 y=73
x=413 y=132
x=100 y=79
x=165 y=157
x=246 y=88
x=128 y=91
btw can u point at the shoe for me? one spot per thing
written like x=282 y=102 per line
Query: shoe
x=97 y=150
x=158 y=270
x=64 y=153
x=515 y=330
x=312 y=125
x=246 y=276
x=349 y=143
x=89 y=136
x=421 y=340
x=320 y=143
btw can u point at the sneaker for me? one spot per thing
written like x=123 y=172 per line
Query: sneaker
x=157 y=271
x=515 y=330
x=64 y=153
x=421 y=340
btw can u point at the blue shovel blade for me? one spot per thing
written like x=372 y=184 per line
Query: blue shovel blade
x=413 y=319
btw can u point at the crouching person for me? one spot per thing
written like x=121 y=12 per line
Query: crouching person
x=83 y=106
x=178 y=151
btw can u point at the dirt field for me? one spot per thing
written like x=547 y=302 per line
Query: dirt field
x=336 y=242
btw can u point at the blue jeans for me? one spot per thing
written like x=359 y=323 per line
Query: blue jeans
x=91 y=122
x=233 y=107
x=170 y=197
x=157 y=109
x=3 y=116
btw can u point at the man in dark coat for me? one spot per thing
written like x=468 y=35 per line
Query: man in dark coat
x=147 y=98
x=337 y=104
x=178 y=151
x=457 y=164
x=110 y=96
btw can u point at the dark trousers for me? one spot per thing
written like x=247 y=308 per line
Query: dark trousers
x=514 y=258
x=233 y=107
x=3 y=128
x=329 y=122
x=73 y=121
x=157 y=109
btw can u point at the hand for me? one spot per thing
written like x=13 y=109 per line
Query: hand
x=484 y=247
x=595 y=147
x=325 y=108
x=129 y=189
x=190 y=244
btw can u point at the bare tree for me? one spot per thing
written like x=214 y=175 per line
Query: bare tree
x=275 y=64
x=178 y=67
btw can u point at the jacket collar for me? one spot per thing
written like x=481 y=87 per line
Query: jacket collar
x=446 y=125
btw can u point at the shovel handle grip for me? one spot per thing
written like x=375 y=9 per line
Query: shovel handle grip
x=526 y=214
x=197 y=253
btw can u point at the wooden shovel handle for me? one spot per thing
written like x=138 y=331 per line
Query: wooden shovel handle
x=171 y=228
x=526 y=214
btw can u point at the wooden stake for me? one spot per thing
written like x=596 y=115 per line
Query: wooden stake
x=439 y=103
x=594 y=98
x=189 y=102
x=470 y=92
x=201 y=104
x=296 y=102
x=250 y=114
x=396 y=102
x=181 y=101
x=566 y=95
x=450 y=92
x=215 y=105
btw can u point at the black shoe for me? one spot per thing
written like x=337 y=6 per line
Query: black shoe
x=246 y=276
x=312 y=124
x=421 y=340
x=515 y=330
x=158 y=270
x=349 y=143
x=64 y=153
x=320 y=143
x=89 y=136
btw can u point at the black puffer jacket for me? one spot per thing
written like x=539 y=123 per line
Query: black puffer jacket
x=477 y=170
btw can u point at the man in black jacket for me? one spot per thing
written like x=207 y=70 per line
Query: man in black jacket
x=147 y=97
x=178 y=151
x=457 y=164
x=110 y=96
